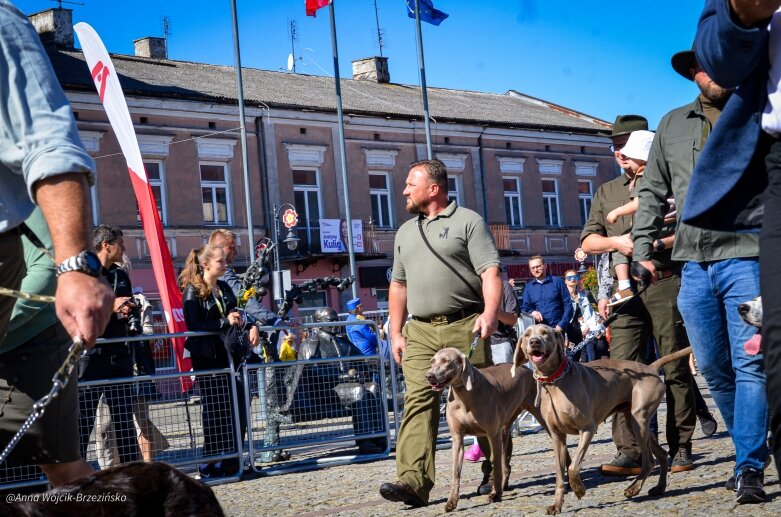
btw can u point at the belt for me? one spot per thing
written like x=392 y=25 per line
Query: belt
x=667 y=273
x=445 y=319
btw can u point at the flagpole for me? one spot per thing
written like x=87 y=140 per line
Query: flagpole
x=422 y=66
x=345 y=181
x=240 y=87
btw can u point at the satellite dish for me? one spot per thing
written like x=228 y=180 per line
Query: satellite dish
x=290 y=62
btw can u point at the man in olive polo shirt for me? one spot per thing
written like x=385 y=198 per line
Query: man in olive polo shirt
x=448 y=307
x=721 y=270
x=652 y=312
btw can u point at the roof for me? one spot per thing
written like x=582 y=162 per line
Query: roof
x=217 y=83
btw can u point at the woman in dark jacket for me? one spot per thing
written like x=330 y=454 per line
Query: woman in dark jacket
x=210 y=305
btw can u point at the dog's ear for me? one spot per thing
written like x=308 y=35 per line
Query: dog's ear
x=519 y=357
x=467 y=376
x=558 y=337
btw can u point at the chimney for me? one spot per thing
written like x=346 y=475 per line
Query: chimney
x=373 y=69
x=151 y=47
x=54 y=27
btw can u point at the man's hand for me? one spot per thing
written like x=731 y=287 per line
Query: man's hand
x=537 y=315
x=234 y=318
x=624 y=244
x=123 y=304
x=254 y=336
x=557 y=328
x=612 y=216
x=751 y=12
x=83 y=304
x=644 y=277
x=602 y=307
x=398 y=346
x=485 y=325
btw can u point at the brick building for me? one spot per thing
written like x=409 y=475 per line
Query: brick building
x=528 y=166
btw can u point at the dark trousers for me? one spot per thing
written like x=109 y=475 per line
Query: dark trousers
x=219 y=435
x=12 y=271
x=112 y=362
x=770 y=284
x=656 y=312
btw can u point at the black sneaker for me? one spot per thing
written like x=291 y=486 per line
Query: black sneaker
x=708 y=424
x=403 y=493
x=485 y=486
x=682 y=461
x=206 y=472
x=750 y=487
x=621 y=465
x=730 y=484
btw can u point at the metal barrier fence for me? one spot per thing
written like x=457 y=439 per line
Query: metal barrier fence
x=320 y=409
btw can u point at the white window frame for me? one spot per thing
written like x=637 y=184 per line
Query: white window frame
x=161 y=184
x=455 y=194
x=585 y=200
x=216 y=185
x=516 y=195
x=548 y=198
x=379 y=194
x=304 y=210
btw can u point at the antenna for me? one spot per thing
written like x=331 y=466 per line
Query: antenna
x=291 y=60
x=165 y=25
x=380 y=32
x=60 y=2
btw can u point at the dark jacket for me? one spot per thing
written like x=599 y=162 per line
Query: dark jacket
x=551 y=298
x=120 y=284
x=203 y=314
x=725 y=186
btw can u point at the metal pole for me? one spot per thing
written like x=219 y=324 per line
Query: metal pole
x=422 y=66
x=244 y=159
x=345 y=181
x=278 y=290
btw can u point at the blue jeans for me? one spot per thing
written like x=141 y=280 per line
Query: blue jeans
x=708 y=301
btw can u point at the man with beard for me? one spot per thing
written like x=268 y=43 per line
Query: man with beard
x=721 y=270
x=446 y=274
x=653 y=312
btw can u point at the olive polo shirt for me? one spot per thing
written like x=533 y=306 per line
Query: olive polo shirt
x=680 y=137
x=458 y=235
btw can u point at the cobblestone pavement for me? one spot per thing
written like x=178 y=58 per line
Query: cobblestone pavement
x=352 y=490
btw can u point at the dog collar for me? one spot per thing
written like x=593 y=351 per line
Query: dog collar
x=560 y=372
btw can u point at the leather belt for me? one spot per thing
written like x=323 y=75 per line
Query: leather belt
x=445 y=319
x=667 y=273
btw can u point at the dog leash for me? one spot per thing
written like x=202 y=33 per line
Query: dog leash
x=473 y=346
x=59 y=381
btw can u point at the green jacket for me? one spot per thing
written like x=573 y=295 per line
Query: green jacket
x=29 y=318
x=680 y=137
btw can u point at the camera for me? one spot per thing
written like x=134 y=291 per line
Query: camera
x=134 y=324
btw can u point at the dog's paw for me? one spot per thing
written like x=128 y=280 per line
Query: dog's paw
x=451 y=505
x=553 y=509
x=494 y=497
x=657 y=490
x=632 y=491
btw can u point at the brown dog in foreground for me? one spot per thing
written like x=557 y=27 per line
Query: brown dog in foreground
x=482 y=402
x=576 y=398
x=132 y=489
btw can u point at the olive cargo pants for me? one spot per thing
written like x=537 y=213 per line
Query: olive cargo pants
x=416 y=442
x=656 y=311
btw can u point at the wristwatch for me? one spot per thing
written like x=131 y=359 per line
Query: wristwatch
x=85 y=262
x=659 y=245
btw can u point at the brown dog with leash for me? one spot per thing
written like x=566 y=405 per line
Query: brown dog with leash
x=576 y=398
x=481 y=402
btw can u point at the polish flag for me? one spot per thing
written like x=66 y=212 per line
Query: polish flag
x=110 y=93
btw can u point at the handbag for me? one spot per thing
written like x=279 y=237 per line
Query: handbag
x=236 y=341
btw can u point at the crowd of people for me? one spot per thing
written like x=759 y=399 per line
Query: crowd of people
x=686 y=233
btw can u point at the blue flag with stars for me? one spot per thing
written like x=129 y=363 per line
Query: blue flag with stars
x=427 y=12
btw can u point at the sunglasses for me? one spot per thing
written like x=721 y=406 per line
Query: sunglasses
x=573 y=277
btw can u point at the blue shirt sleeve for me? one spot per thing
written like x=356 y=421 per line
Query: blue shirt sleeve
x=566 y=301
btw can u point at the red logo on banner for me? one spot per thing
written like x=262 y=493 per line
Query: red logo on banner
x=100 y=76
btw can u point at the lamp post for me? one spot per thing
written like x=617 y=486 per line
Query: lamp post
x=290 y=220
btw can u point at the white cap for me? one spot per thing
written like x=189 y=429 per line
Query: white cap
x=638 y=145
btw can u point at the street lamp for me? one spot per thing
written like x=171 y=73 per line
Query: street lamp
x=289 y=218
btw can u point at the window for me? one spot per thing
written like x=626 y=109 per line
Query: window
x=215 y=194
x=306 y=187
x=155 y=174
x=584 y=199
x=512 y=200
x=381 y=201
x=550 y=201
x=453 y=190
x=309 y=304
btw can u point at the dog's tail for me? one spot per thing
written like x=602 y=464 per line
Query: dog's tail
x=670 y=358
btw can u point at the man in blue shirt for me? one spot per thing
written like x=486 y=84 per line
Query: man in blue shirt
x=546 y=297
x=362 y=336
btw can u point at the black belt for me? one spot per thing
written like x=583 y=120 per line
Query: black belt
x=445 y=319
x=667 y=273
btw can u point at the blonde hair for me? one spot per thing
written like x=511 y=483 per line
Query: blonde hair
x=192 y=273
x=221 y=236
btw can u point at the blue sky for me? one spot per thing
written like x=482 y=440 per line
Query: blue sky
x=602 y=58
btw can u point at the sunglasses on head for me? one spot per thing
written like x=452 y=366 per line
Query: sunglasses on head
x=573 y=277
